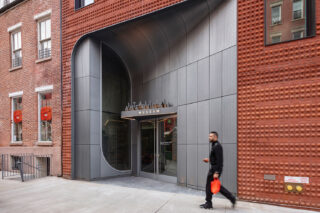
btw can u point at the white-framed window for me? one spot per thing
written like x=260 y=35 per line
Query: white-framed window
x=82 y=3
x=16 y=119
x=276 y=38
x=5 y=2
x=276 y=14
x=45 y=116
x=16 y=50
x=44 y=38
x=87 y=2
x=297 y=9
x=297 y=34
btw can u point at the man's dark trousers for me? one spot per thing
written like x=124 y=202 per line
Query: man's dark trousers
x=223 y=190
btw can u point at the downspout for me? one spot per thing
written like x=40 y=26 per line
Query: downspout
x=61 y=91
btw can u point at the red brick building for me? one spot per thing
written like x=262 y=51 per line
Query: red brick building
x=278 y=107
x=30 y=81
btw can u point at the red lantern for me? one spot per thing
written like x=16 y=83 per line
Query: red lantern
x=215 y=186
x=17 y=116
x=46 y=113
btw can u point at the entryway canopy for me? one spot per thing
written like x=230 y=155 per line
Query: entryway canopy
x=144 y=42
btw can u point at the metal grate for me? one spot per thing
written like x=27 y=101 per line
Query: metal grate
x=16 y=62
x=44 y=53
x=297 y=14
x=25 y=166
x=276 y=20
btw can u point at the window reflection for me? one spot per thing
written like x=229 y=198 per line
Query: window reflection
x=289 y=20
x=116 y=144
x=168 y=146
x=148 y=146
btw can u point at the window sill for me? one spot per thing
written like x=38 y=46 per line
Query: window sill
x=298 y=19
x=43 y=60
x=282 y=42
x=44 y=143
x=15 y=68
x=83 y=6
x=273 y=25
x=16 y=143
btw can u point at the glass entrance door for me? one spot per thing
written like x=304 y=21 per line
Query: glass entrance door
x=148 y=147
x=159 y=148
x=167 y=146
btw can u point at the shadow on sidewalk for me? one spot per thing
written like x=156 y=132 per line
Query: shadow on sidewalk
x=149 y=184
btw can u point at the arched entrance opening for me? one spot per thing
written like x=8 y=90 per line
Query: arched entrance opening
x=115 y=82
x=182 y=56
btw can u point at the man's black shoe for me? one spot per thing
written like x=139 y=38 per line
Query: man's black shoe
x=206 y=205
x=234 y=202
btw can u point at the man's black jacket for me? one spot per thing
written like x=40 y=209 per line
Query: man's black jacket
x=216 y=158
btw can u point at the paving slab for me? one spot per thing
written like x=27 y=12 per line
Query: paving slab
x=122 y=194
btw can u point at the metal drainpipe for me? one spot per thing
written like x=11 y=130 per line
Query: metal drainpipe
x=61 y=91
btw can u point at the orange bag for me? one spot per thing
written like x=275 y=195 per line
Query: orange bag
x=17 y=116
x=215 y=186
x=46 y=113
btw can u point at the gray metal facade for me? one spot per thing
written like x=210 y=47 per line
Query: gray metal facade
x=186 y=55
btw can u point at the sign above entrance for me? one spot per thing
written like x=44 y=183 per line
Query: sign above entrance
x=150 y=105
x=140 y=111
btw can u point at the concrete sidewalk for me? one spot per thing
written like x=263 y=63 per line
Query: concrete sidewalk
x=125 y=194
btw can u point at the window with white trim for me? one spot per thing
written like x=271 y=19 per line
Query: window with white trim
x=276 y=38
x=16 y=50
x=276 y=15
x=45 y=116
x=82 y=3
x=16 y=118
x=4 y=3
x=297 y=9
x=44 y=37
x=297 y=34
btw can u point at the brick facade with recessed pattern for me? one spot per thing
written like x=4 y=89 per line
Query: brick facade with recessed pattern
x=278 y=112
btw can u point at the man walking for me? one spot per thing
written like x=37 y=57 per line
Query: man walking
x=216 y=164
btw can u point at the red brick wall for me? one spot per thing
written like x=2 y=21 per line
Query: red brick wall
x=30 y=76
x=278 y=112
x=78 y=23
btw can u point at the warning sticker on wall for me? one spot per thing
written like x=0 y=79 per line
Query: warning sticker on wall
x=289 y=179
